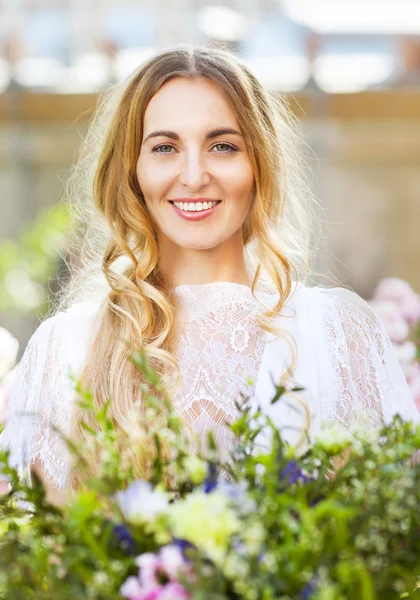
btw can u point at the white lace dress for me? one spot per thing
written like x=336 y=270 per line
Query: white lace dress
x=345 y=362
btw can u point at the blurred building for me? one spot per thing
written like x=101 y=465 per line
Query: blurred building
x=352 y=71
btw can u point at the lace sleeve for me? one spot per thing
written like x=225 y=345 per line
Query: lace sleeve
x=367 y=383
x=39 y=399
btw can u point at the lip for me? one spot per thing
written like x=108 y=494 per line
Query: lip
x=194 y=200
x=195 y=216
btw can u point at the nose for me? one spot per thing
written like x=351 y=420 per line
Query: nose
x=194 y=174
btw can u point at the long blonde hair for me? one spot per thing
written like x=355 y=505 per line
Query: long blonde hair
x=115 y=225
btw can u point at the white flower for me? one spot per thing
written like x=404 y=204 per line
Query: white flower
x=333 y=438
x=131 y=588
x=140 y=502
x=9 y=347
x=195 y=468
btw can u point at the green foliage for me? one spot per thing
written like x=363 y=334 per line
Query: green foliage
x=27 y=265
x=298 y=525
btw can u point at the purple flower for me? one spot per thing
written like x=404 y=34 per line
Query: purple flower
x=292 y=473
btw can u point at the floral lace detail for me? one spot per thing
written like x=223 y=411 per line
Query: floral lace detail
x=219 y=346
x=368 y=385
x=42 y=396
x=36 y=407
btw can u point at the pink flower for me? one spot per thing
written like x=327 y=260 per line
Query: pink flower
x=406 y=353
x=174 y=591
x=157 y=576
x=412 y=373
x=391 y=317
x=131 y=589
x=401 y=293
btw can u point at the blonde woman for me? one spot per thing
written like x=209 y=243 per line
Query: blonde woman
x=192 y=204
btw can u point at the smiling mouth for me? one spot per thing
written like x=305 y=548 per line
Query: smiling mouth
x=194 y=207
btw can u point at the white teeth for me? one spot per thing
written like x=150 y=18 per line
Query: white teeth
x=194 y=206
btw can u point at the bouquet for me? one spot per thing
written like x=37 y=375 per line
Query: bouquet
x=338 y=518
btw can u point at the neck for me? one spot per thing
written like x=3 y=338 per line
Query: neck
x=225 y=262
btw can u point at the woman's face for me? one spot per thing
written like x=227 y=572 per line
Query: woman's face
x=193 y=152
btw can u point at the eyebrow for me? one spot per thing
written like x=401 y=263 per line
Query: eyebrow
x=211 y=134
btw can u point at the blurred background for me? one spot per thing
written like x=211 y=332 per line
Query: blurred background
x=350 y=69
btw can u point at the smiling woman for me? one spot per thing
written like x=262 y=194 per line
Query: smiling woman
x=201 y=221
x=207 y=152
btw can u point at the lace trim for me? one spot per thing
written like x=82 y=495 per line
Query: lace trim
x=219 y=345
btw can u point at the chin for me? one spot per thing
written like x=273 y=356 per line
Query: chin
x=197 y=244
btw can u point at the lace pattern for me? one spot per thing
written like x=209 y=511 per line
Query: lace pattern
x=36 y=407
x=368 y=384
x=219 y=347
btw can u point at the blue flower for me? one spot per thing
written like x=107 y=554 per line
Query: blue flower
x=183 y=545
x=122 y=535
x=211 y=480
x=309 y=589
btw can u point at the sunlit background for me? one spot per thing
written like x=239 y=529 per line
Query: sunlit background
x=350 y=69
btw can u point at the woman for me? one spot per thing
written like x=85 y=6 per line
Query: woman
x=198 y=182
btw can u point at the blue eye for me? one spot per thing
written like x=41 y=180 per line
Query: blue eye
x=158 y=148
x=228 y=148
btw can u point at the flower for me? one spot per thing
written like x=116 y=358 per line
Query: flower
x=140 y=502
x=406 y=352
x=9 y=347
x=211 y=479
x=157 y=577
x=293 y=473
x=402 y=294
x=125 y=539
x=205 y=520
x=195 y=469
x=412 y=373
x=237 y=494
x=392 y=318
x=333 y=438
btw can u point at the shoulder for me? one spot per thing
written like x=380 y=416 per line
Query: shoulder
x=63 y=338
x=338 y=311
x=78 y=314
x=336 y=299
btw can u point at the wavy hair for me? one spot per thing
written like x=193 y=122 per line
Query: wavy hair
x=116 y=241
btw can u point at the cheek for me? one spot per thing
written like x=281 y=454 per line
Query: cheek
x=240 y=181
x=152 y=177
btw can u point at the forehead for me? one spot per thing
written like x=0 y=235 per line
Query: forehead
x=183 y=103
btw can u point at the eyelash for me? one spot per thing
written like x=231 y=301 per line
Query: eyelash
x=231 y=148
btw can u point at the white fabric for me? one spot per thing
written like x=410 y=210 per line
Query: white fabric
x=345 y=362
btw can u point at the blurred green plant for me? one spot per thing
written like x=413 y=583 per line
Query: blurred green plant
x=28 y=264
x=339 y=521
